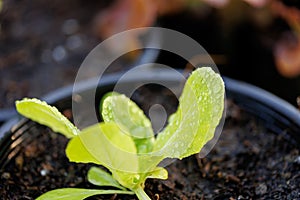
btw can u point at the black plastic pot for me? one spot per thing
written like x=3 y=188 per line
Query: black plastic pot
x=276 y=114
x=6 y=114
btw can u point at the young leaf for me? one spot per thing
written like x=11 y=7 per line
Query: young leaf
x=159 y=173
x=77 y=152
x=98 y=176
x=212 y=106
x=77 y=193
x=45 y=114
x=106 y=144
x=121 y=110
x=135 y=180
x=200 y=110
x=129 y=180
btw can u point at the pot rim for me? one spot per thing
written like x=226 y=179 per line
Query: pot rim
x=264 y=97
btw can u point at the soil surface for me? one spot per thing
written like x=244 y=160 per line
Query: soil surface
x=248 y=162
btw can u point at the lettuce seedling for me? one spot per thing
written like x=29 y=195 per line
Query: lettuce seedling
x=124 y=143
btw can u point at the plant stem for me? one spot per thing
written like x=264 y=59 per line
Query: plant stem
x=141 y=194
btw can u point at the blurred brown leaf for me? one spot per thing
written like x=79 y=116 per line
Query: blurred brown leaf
x=287 y=55
x=124 y=15
x=289 y=13
x=165 y=7
x=222 y=3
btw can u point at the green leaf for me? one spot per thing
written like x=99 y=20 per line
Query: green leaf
x=77 y=152
x=121 y=110
x=77 y=193
x=200 y=109
x=135 y=180
x=159 y=173
x=105 y=144
x=129 y=180
x=45 y=114
x=98 y=176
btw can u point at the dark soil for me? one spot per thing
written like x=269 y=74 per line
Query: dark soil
x=248 y=162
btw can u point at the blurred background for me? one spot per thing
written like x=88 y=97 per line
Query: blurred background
x=43 y=42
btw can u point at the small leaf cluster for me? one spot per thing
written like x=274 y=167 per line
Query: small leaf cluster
x=125 y=144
